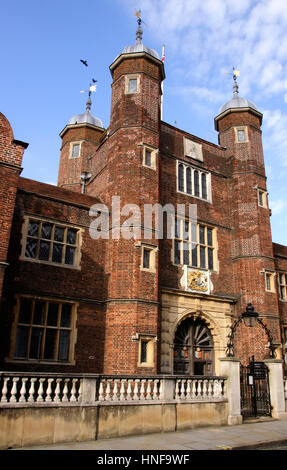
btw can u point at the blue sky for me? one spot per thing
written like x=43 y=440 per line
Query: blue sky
x=41 y=74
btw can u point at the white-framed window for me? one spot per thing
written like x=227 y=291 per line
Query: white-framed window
x=44 y=330
x=282 y=279
x=149 y=157
x=50 y=242
x=241 y=134
x=132 y=84
x=193 y=182
x=269 y=281
x=75 y=149
x=194 y=245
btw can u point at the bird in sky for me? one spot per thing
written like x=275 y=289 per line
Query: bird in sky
x=84 y=62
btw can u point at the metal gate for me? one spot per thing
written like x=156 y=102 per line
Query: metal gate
x=254 y=389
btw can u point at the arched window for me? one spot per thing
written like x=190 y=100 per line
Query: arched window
x=193 y=348
x=180 y=177
x=188 y=181
x=203 y=186
x=196 y=183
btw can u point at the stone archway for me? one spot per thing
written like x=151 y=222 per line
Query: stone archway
x=193 y=348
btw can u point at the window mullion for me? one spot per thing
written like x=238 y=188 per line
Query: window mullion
x=52 y=242
x=44 y=331
x=30 y=329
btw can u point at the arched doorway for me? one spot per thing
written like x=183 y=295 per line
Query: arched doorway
x=193 y=348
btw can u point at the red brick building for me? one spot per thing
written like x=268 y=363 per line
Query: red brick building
x=73 y=301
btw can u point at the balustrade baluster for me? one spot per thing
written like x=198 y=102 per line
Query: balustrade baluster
x=101 y=390
x=188 y=390
x=108 y=391
x=216 y=388
x=161 y=387
x=57 y=398
x=155 y=394
x=136 y=390
x=31 y=397
x=115 y=390
x=49 y=391
x=23 y=390
x=204 y=388
x=129 y=390
x=4 y=398
x=122 y=390
x=40 y=397
x=65 y=391
x=73 y=391
x=142 y=390
x=193 y=388
x=148 y=390
x=13 y=398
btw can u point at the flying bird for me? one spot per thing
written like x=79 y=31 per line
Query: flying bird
x=84 y=62
x=94 y=81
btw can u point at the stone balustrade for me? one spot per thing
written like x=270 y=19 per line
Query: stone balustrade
x=18 y=389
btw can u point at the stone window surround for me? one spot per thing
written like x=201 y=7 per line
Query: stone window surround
x=78 y=244
x=264 y=195
x=153 y=152
x=269 y=274
x=241 y=128
x=72 y=144
x=152 y=260
x=127 y=80
x=282 y=286
x=151 y=340
x=73 y=329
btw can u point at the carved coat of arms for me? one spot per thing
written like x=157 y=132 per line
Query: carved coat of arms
x=198 y=281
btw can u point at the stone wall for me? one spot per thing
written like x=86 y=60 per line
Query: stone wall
x=26 y=426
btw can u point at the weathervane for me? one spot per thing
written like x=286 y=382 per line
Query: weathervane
x=139 y=32
x=92 y=88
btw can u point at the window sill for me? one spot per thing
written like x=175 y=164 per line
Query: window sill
x=50 y=263
x=40 y=362
x=195 y=197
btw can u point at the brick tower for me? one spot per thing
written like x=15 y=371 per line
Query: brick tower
x=132 y=316
x=239 y=127
x=11 y=154
x=80 y=140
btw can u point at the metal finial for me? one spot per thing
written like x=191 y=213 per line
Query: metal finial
x=139 y=32
x=89 y=103
x=236 y=74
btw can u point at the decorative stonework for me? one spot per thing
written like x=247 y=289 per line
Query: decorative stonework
x=196 y=280
x=192 y=149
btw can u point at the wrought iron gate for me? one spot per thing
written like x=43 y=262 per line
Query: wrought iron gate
x=254 y=390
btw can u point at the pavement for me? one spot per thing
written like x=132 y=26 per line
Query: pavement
x=251 y=435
